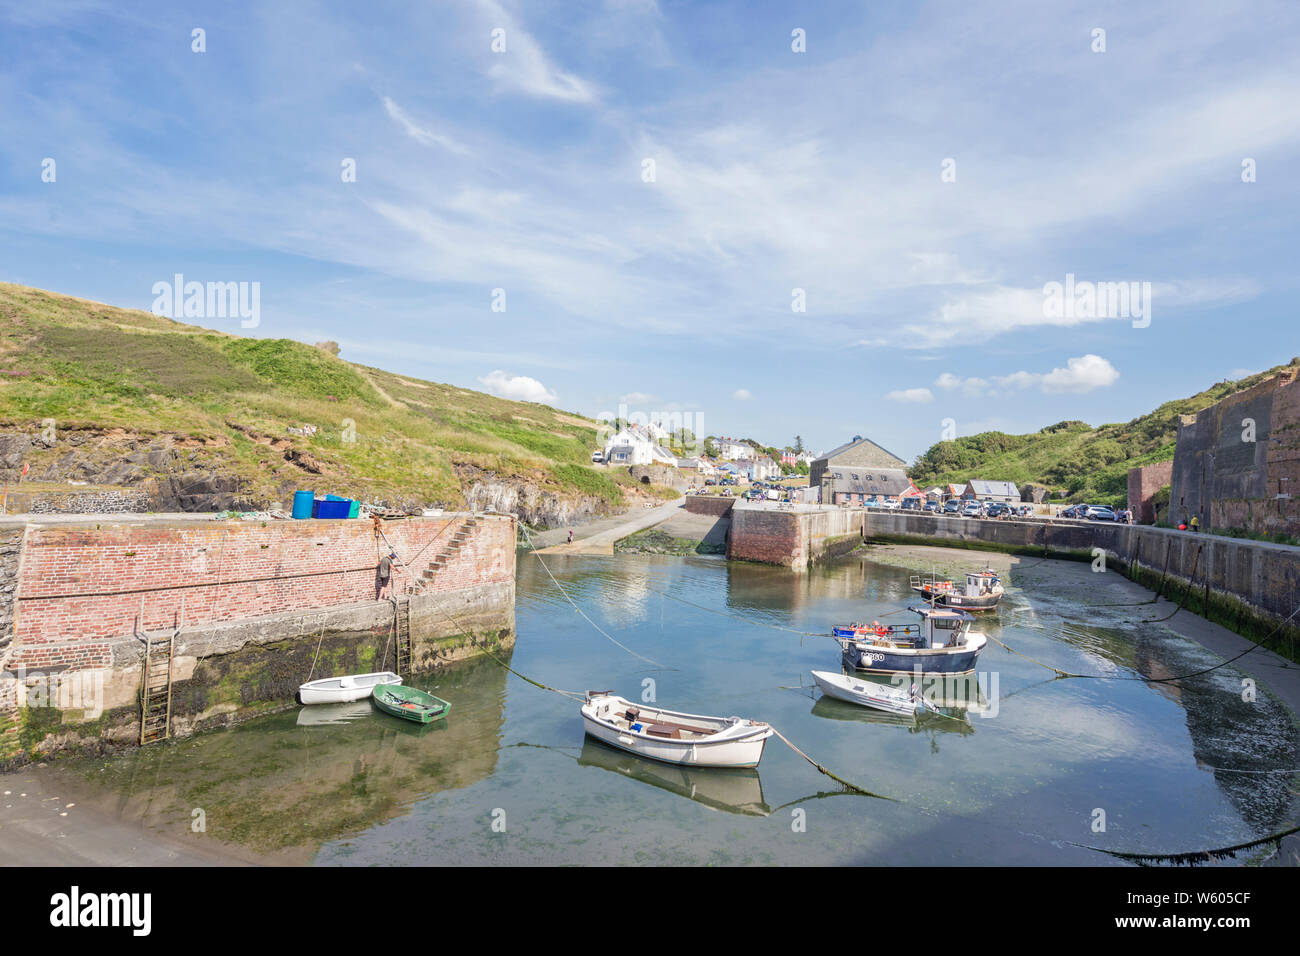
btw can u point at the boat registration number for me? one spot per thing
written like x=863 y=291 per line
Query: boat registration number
x=872 y=656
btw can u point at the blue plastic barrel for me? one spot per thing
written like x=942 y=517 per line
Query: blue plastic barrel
x=302 y=502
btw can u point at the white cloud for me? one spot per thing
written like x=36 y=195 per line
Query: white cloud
x=636 y=398
x=913 y=395
x=519 y=388
x=524 y=65
x=426 y=137
x=1082 y=374
x=742 y=395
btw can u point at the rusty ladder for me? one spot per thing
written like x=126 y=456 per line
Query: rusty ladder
x=402 y=627
x=156 y=688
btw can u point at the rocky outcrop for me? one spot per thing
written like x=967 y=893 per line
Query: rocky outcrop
x=10 y=545
x=533 y=504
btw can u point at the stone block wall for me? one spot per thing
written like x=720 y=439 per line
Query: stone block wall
x=1233 y=459
x=1143 y=483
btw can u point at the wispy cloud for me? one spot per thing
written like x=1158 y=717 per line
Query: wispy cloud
x=523 y=66
x=419 y=133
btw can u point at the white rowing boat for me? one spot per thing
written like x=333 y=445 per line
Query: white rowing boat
x=341 y=690
x=867 y=693
x=674 y=737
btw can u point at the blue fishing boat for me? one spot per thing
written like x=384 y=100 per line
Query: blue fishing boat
x=942 y=643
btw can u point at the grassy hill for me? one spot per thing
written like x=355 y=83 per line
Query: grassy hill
x=119 y=380
x=1075 y=460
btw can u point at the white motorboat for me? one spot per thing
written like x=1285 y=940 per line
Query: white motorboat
x=341 y=690
x=867 y=693
x=673 y=737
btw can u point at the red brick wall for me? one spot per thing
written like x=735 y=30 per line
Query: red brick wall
x=84 y=585
x=772 y=537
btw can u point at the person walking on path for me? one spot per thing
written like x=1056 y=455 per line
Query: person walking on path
x=570 y=536
x=1196 y=523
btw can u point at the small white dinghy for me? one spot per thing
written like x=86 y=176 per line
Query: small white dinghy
x=674 y=737
x=867 y=693
x=342 y=690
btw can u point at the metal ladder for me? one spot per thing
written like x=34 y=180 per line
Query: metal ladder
x=156 y=688
x=402 y=626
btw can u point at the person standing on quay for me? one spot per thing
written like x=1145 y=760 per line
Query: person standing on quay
x=1196 y=523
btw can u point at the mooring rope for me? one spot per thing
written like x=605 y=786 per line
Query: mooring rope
x=314 y=659
x=820 y=769
x=1194 y=857
x=580 y=611
x=738 y=617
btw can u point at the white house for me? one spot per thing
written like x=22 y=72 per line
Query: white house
x=634 y=445
x=731 y=450
x=760 y=468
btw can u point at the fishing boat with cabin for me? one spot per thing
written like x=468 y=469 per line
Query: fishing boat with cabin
x=672 y=736
x=942 y=643
x=981 y=592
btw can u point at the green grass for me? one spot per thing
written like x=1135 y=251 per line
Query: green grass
x=1075 y=460
x=381 y=436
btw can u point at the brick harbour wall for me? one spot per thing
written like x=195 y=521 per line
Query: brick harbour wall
x=81 y=586
x=249 y=639
x=793 y=539
x=709 y=504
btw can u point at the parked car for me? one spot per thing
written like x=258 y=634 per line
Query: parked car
x=972 y=509
x=911 y=504
x=932 y=506
x=952 y=506
x=1074 y=511
x=891 y=504
x=1099 y=513
x=597 y=457
x=1025 y=511
x=997 y=509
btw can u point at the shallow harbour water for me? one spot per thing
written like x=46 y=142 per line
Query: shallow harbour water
x=1174 y=767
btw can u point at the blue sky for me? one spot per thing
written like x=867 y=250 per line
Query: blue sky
x=774 y=170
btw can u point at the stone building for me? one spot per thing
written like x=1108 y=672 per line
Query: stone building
x=1237 y=463
x=860 y=455
x=981 y=490
x=855 y=487
x=1143 y=483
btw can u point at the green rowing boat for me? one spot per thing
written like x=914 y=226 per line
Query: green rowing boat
x=409 y=703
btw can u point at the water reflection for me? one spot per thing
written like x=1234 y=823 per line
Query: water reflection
x=733 y=790
x=349 y=786
x=281 y=785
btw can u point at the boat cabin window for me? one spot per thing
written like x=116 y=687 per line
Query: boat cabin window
x=946 y=623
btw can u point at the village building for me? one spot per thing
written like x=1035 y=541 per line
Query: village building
x=759 y=468
x=861 y=456
x=1004 y=491
x=855 y=487
x=634 y=445
x=729 y=449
